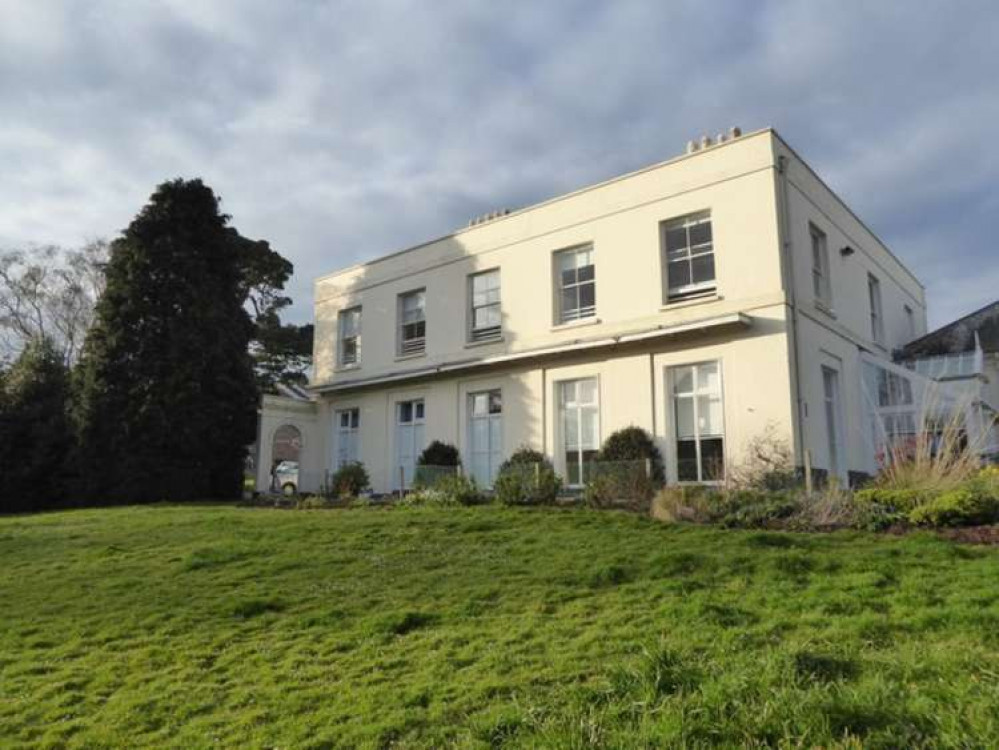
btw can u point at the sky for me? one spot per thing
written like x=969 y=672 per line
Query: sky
x=341 y=131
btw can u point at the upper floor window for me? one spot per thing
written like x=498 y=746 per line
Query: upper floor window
x=877 y=319
x=412 y=322
x=910 y=322
x=820 y=266
x=349 y=346
x=577 y=285
x=484 y=292
x=689 y=262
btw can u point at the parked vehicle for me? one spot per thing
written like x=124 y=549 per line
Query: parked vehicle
x=286 y=477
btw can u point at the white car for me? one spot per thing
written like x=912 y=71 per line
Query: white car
x=286 y=477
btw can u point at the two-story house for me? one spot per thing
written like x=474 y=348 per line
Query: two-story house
x=709 y=299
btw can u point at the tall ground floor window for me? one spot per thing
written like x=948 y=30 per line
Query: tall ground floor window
x=579 y=418
x=409 y=437
x=485 y=435
x=347 y=424
x=697 y=413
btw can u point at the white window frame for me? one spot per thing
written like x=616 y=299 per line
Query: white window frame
x=821 y=281
x=686 y=256
x=348 y=434
x=578 y=407
x=579 y=312
x=417 y=419
x=833 y=408
x=673 y=418
x=877 y=314
x=412 y=345
x=491 y=298
x=493 y=453
x=348 y=334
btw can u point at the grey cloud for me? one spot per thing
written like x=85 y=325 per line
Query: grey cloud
x=340 y=131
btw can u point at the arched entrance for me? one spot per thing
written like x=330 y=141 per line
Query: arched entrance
x=286 y=449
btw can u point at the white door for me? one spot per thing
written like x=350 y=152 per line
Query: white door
x=830 y=388
x=409 y=429
x=346 y=425
x=485 y=435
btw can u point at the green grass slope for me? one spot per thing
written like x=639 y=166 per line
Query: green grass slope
x=222 y=627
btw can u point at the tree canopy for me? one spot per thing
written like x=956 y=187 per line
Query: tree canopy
x=166 y=390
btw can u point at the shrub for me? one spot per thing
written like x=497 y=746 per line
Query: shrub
x=621 y=485
x=527 y=478
x=768 y=464
x=439 y=454
x=900 y=500
x=461 y=489
x=312 y=502
x=966 y=506
x=694 y=503
x=349 y=480
x=754 y=509
x=428 y=498
x=634 y=444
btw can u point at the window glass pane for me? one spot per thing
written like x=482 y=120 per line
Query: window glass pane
x=709 y=415
x=406 y=411
x=479 y=403
x=678 y=273
x=584 y=258
x=566 y=262
x=588 y=391
x=344 y=419
x=495 y=438
x=418 y=409
x=703 y=269
x=585 y=273
x=712 y=460
x=587 y=296
x=700 y=234
x=685 y=418
x=683 y=379
x=571 y=429
x=355 y=418
x=686 y=460
x=568 y=389
x=589 y=438
x=495 y=402
x=588 y=458
x=707 y=377
x=676 y=238
x=570 y=306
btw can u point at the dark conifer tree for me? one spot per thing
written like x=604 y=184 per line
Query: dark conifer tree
x=166 y=398
x=35 y=434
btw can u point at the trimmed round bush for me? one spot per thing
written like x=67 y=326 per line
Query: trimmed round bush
x=439 y=454
x=527 y=478
x=634 y=444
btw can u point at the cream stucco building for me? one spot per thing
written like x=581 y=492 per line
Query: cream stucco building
x=709 y=299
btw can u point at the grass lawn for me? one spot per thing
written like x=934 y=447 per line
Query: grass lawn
x=218 y=626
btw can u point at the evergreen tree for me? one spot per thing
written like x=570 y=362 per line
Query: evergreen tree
x=166 y=398
x=35 y=434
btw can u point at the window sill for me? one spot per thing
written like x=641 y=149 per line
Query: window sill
x=592 y=321
x=347 y=368
x=700 y=299
x=414 y=355
x=486 y=342
x=823 y=308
